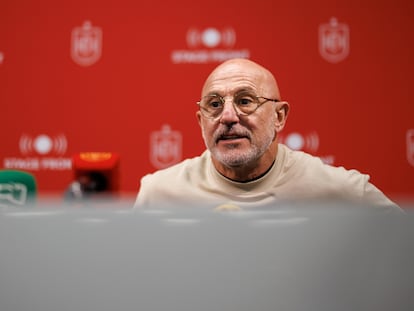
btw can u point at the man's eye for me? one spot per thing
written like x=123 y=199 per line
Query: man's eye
x=215 y=104
x=245 y=101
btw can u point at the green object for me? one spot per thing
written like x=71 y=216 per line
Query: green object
x=17 y=188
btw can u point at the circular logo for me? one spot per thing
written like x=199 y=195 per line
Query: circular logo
x=211 y=37
x=43 y=144
x=295 y=141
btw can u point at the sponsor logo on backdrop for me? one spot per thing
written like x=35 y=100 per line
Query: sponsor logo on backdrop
x=308 y=142
x=1 y=57
x=334 y=41
x=42 y=144
x=40 y=152
x=166 y=147
x=209 y=45
x=86 y=44
x=410 y=146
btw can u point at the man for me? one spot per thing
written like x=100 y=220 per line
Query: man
x=240 y=115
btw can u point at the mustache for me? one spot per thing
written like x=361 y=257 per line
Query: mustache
x=225 y=132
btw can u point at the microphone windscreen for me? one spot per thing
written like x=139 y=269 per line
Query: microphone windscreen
x=17 y=188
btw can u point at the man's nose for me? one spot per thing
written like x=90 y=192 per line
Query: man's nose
x=229 y=114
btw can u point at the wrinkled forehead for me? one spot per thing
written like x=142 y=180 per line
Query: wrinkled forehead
x=231 y=77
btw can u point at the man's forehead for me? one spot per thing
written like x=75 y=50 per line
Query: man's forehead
x=240 y=73
x=234 y=77
x=242 y=68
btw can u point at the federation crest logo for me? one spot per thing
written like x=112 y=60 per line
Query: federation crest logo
x=86 y=47
x=166 y=146
x=334 y=41
x=410 y=146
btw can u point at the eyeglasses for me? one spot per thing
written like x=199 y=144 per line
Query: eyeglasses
x=244 y=103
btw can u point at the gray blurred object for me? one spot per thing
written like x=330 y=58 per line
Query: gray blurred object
x=88 y=185
x=281 y=258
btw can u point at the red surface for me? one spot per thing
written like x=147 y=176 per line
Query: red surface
x=357 y=112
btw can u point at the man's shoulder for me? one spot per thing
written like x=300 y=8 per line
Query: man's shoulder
x=314 y=165
x=298 y=158
x=173 y=183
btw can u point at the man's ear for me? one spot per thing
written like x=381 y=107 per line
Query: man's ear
x=282 y=111
x=198 y=115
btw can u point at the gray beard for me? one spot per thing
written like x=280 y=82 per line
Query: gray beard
x=233 y=158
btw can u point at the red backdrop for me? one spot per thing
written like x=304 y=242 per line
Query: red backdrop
x=123 y=76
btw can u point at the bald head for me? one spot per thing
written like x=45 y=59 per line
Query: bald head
x=243 y=144
x=243 y=70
